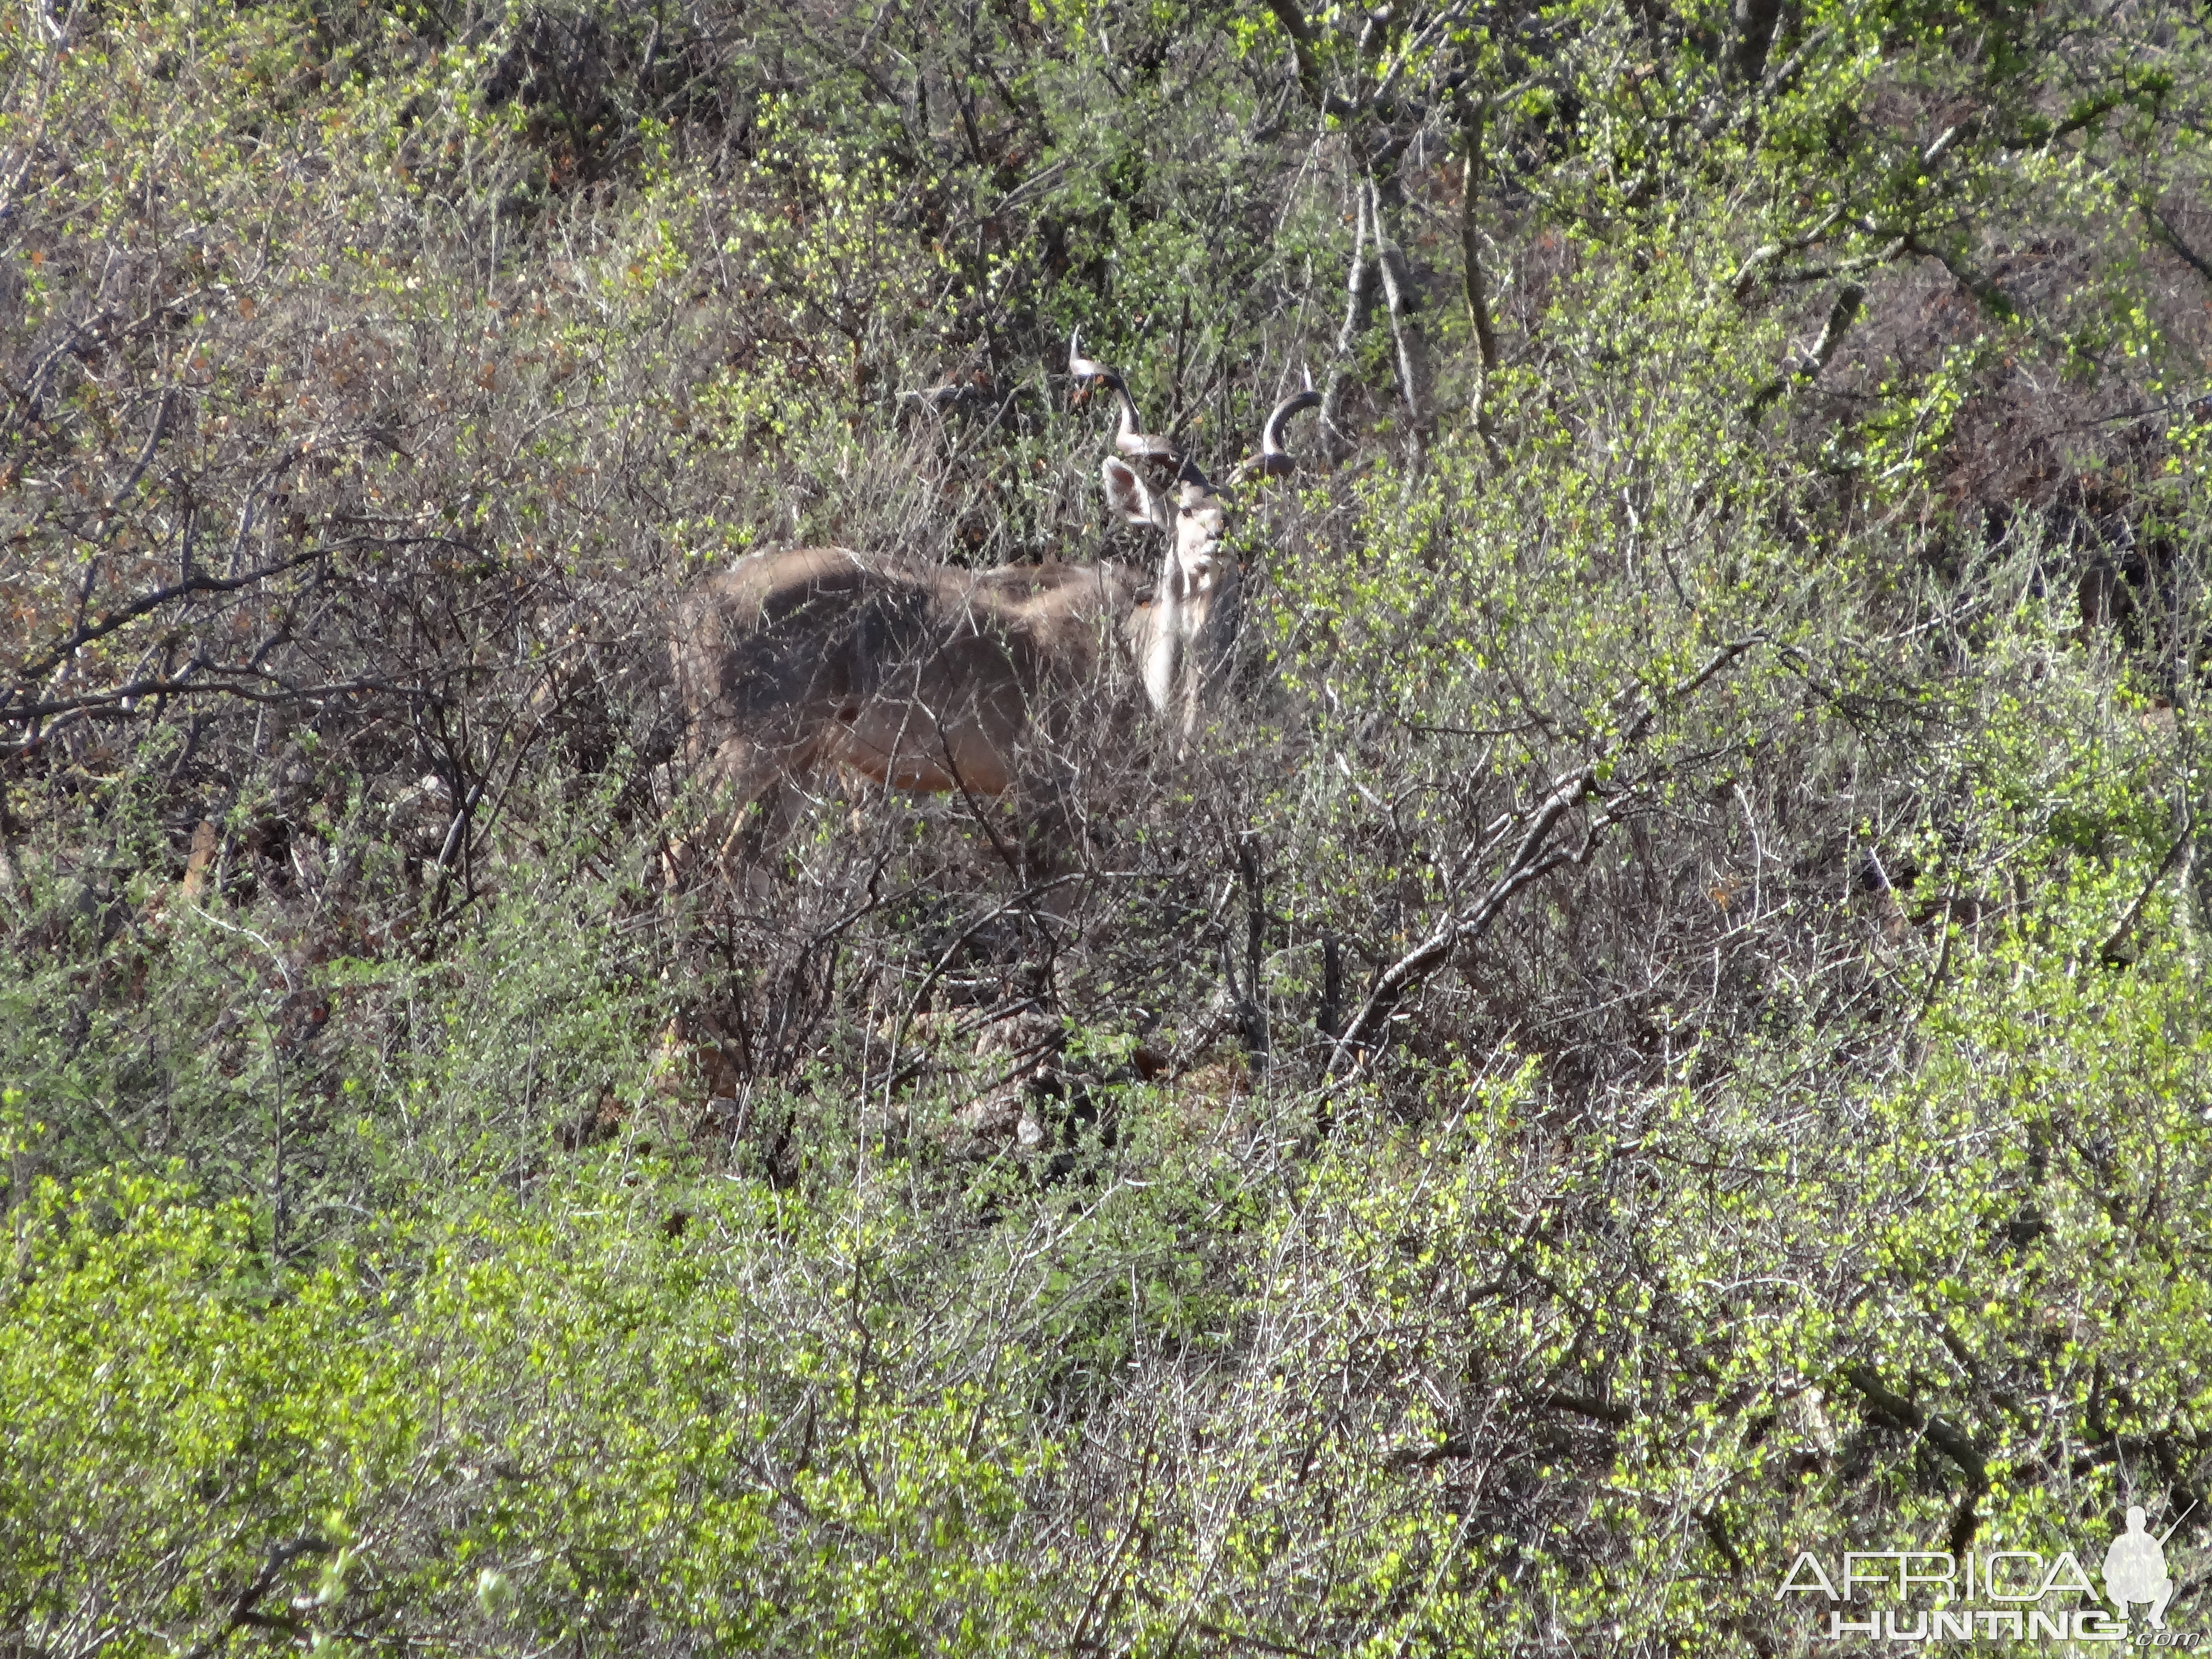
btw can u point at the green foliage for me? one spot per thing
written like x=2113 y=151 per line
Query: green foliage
x=567 y=1423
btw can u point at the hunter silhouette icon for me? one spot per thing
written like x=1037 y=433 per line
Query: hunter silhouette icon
x=2134 y=1571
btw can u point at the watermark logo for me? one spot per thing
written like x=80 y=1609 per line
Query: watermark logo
x=2135 y=1570
x=2014 y=1595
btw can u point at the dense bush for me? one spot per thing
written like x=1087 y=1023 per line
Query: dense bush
x=1659 y=1028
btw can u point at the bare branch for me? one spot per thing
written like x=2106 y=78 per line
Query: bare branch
x=1302 y=43
x=2183 y=851
x=1531 y=860
x=89 y=633
x=2163 y=231
x=223 y=680
x=146 y=455
x=1900 y=1412
x=1841 y=315
x=243 y=1612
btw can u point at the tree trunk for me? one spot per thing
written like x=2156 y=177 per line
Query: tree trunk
x=1360 y=305
x=1751 y=34
x=1474 y=116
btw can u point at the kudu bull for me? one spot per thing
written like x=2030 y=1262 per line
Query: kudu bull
x=932 y=679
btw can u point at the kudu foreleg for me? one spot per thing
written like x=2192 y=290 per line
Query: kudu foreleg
x=743 y=791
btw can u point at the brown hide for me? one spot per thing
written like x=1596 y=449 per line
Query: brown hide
x=988 y=682
x=917 y=677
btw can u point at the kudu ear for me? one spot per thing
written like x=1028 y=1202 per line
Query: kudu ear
x=1126 y=493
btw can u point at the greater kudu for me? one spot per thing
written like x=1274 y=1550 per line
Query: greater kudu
x=930 y=678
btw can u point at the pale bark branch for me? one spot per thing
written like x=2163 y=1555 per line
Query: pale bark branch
x=1532 y=860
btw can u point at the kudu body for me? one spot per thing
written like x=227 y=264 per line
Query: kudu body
x=933 y=678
